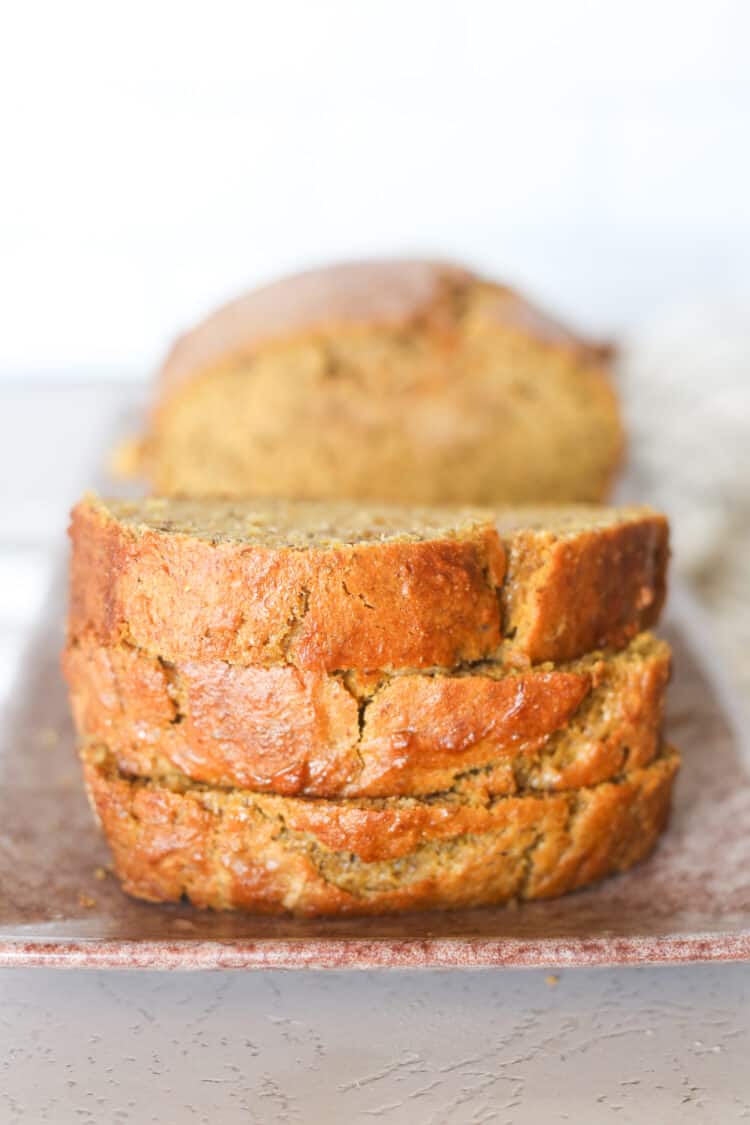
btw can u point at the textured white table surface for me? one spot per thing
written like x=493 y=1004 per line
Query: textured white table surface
x=630 y=1045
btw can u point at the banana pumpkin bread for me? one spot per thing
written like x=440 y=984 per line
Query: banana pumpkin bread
x=406 y=381
x=335 y=587
x=296 y=732
x=230 y=849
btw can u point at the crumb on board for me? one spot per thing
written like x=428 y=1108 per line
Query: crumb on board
x=183 y=924
x=552 y=979
x=86 y=900
x=100 y=873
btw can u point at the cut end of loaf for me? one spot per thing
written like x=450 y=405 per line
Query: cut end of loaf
x=408 y=382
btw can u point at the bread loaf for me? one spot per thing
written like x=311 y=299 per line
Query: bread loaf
x=405 y=381
x=338 y=708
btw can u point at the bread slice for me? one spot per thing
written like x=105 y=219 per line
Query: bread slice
x=293 y=732
x=405 y=381
x=240 y=850
x=333 y=587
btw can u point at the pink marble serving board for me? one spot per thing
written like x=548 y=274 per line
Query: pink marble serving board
x=690 y=902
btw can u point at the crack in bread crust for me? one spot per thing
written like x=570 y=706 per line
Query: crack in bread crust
x=241 y=850
x=295 y=622
x=299 y=733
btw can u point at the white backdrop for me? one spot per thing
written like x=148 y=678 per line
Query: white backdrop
x=158 y=157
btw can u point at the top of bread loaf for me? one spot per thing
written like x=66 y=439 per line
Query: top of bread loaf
x=297 y=525
x=336 y=587
x=367 y=293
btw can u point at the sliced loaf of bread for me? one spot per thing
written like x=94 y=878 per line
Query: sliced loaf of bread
x=406 y=381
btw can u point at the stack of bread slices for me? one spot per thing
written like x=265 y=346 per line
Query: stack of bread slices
x=354 y=708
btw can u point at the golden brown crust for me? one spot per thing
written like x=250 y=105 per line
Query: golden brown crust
x=570 y=588
x=598 y=586
x=387 y=293
x=239 y=850
x=293 y=732
x=370 y=605
x=349 y=294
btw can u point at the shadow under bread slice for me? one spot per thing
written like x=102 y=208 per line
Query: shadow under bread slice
x=308 y=733
x=239 y=850
x=338 y=586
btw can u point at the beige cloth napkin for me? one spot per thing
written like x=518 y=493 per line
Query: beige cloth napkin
x=685 y=385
